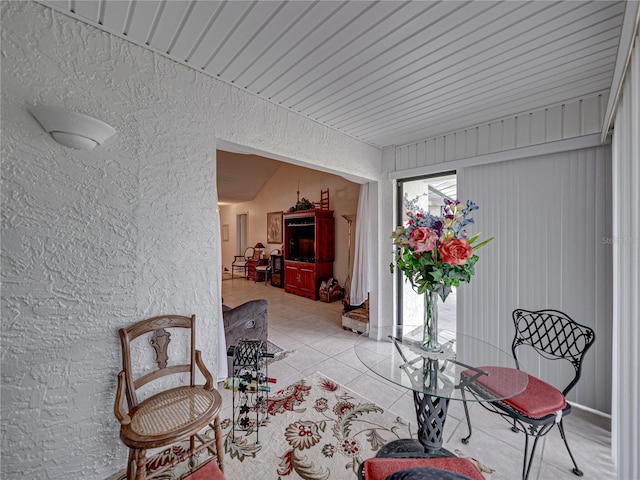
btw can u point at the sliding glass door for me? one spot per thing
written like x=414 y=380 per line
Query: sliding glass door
x=429 y=193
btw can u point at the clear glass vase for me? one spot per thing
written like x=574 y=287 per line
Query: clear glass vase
x=430 y=328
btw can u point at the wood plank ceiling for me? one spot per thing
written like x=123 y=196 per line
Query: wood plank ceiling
x=387 y=72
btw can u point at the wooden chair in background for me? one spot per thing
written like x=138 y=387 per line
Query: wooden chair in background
x=323 y=204
x=263 y=270
x=172 y=414
x=240 y=261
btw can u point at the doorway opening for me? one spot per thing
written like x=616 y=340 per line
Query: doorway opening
x=241 y=233
x=253 y=189
x=429 y=193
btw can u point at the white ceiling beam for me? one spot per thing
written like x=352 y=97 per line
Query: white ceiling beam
x=628 y=35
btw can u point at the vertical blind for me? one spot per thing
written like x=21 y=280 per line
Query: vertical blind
x=551 y=218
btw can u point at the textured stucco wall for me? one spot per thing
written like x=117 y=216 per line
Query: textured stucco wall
x=92 y=241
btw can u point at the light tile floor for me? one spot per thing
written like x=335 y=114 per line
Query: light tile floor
x=313 y=332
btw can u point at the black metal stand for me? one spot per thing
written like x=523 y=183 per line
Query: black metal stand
x=248 y=381
x=431 y=413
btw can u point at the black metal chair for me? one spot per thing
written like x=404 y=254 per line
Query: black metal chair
x=240 y=261
x=535 y=411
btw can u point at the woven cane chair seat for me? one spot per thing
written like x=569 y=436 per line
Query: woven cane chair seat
x=174 y=412
x=171 y=416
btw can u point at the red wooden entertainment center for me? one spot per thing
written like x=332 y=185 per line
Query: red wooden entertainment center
x=309 y=250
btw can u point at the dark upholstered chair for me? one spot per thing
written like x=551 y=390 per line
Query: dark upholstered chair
x=449 y=468
x=535 y=411
x=248 y=321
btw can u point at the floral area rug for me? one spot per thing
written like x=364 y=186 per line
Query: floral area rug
x=314 y=429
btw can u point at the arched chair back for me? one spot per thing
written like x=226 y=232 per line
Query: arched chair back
x=239 y=263
x=555 y=336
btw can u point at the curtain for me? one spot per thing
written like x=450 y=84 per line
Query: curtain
x=625 y=243
x=222 y=344
x=360 y=283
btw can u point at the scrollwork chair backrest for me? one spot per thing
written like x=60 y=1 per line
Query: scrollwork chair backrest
x=160 y=329
x=555 y=336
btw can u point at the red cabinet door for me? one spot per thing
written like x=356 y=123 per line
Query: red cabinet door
x=307 y=283
x=290 y=278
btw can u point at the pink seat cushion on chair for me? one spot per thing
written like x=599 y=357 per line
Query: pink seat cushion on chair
x=538 y=400
x=209 y=471
x=379 y=468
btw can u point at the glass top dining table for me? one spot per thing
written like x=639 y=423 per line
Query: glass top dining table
x=435 y=378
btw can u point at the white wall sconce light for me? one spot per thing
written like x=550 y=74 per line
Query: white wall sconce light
x=72 y=129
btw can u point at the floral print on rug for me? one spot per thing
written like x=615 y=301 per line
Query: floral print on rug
x=316 y=429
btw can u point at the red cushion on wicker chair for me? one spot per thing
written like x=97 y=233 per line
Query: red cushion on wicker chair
x=538 y=400
x=208 y=471
x=379 y=468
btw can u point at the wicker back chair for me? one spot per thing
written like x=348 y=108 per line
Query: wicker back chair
x=170 y=415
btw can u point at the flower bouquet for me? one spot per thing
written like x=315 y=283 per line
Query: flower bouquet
x=435 y=254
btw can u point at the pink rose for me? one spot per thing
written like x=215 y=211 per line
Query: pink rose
x=422 y=239
x=455 y=251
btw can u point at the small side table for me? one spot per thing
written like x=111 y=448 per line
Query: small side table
x=252 y=263
x=277 y=271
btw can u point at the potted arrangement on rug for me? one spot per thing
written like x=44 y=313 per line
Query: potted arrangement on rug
x=435 y=254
